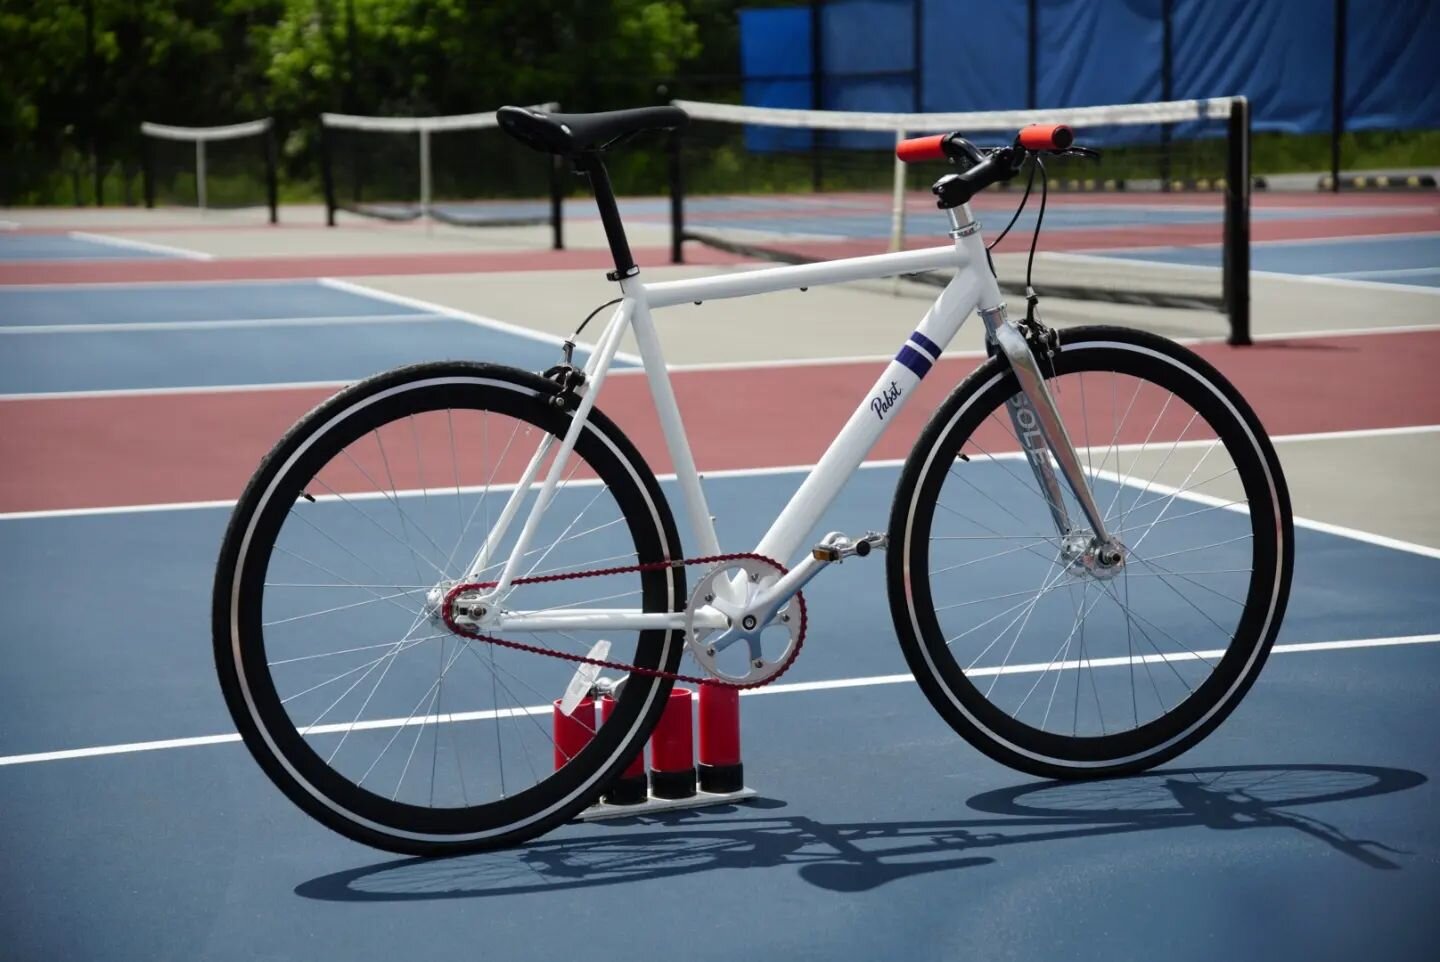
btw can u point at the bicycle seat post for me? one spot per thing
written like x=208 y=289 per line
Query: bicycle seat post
x=590 y=164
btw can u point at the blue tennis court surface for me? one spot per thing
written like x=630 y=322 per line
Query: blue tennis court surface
x=164 y=336
x=59 y=247
x=1304 y=825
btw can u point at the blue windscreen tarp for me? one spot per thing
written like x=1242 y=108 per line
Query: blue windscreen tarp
x=973 y=56
x=1391 y=78
x=775 y=58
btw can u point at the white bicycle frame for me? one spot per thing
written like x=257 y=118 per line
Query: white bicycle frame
x=974 y=287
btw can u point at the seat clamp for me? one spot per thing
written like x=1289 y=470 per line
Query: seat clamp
x=630 y=271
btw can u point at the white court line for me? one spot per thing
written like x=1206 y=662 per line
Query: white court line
x=256 y=322
x=1224 y=504
x=167 y=285
x=1337 y=280
x=1349 y=238
x=732 y=473
x=706 y=366
x=1385 y=273
x=1353 y=282
x=476 y=319
x=698 y=367
x=9 y=225
x=141 y=245
x=160 y=391
x=1353 y=534
x=790 y=688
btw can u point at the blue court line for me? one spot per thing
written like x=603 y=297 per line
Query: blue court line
x=52 y=247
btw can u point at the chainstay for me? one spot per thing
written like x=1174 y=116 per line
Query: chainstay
x=462 y=631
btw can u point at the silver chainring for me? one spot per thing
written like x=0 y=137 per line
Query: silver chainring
x=732 y=586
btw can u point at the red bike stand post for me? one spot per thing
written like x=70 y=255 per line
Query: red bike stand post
x=630 y=788
x=720 y=769
x=574 y=731
x=672 y=749
x=673 y=772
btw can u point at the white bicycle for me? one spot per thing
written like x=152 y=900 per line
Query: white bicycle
x=427 y=560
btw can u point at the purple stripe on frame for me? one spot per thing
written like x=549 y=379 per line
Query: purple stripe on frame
x=926 y=344
x=914 y=360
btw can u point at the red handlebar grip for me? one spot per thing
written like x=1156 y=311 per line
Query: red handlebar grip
x=1046 y=137
x=917 y=149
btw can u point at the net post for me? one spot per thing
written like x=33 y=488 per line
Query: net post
x=272 y=180
x=1236 y=268
x=425 y=180
x=327 y=176
x=557 y=202
x=200 y=173
x=677 y=199
x=897 y=209
x=147 y=168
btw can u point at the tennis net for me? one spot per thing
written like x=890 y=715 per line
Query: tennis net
x=1161 y=219
x=211 y=167
x=460 y=169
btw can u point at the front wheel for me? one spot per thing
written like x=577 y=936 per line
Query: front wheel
x=1040 y=657
x=335 y=660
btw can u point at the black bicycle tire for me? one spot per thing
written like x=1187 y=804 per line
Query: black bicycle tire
x=956 y=699
x=279 y=750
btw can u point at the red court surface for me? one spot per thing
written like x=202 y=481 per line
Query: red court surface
x=131 y=449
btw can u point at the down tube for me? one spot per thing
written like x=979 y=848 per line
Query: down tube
x=877 y=412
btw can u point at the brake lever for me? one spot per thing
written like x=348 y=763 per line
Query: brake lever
x=1089 y=153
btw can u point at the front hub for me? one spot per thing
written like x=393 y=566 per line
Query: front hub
x=1086 y=556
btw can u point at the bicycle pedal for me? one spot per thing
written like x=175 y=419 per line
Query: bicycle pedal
x=836 y=547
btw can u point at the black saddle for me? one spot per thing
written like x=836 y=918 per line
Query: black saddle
x=577 y=133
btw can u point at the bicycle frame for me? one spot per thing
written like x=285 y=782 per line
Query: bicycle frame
x=974 y=287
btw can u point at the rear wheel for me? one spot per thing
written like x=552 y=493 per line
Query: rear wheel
x=345 y=682
x=1067 y=669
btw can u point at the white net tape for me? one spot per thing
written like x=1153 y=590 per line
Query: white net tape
x=415 y=125
x=1172 y=111
x=201 y=134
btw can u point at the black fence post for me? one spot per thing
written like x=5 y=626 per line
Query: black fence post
x=147 y=169
x=1337 y=97
x=327 y=176
x=817 y=88
x=272 y=176
x=917 y=55
x=677 y=198
x=1236 y=268
x=557 y=202
x=1167 y=86
x=1032 y=48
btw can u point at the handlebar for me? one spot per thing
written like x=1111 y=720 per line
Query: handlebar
x=982 y=168
x=1045 y=137
x=1033 y=137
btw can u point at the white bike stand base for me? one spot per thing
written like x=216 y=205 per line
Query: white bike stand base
x=654 y=805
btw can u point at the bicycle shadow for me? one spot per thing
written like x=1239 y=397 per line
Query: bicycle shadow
x=863 y=856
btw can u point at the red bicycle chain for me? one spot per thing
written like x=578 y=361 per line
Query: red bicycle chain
x=446 y=612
